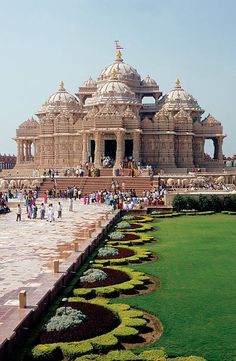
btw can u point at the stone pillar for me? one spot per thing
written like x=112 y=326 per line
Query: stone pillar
x=220 y=151
x=97 y=156
x=119 y=148
x=19 y=151
x=22 y=156
x=136 y=146
x=26 y=150
x=30 y=153
x=85 y=148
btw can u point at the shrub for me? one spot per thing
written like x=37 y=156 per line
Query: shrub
x=107 y=251
x=123 y=225
x=179 y=202
x=192 y=203
x=93 y=275
x=204 y=203
x=47 y=353
x=125 y=332
x=62 y=321
x=116 y=235
x=216 y=203
x=105 y=342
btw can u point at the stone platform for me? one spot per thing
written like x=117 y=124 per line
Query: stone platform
x=27 y=251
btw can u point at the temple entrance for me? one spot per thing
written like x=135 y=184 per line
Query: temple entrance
x=92 y=149
x=128 y=148
x=110 y=148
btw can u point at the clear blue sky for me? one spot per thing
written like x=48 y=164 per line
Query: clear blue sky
x=45 y=41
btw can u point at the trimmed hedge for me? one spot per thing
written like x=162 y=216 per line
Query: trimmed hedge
x=127 y=355
x=137 y=281
x=144 y=219
x=203 y=203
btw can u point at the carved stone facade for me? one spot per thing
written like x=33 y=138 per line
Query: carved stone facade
x=109 y=117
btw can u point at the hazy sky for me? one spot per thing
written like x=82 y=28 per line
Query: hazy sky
x=45 y=41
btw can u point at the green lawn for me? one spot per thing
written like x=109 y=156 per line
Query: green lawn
x=197 y=300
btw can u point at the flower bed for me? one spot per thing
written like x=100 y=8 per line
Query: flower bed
x=131 y=321
x=123 y=252
x=126 y=237
x=86 y=329
x=114 y=276
x=141 y=227
x=132 y=239
x=138 y=254
x=136 y=280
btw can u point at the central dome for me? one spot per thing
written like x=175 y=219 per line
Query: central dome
x=113 y=90
x=125 y=72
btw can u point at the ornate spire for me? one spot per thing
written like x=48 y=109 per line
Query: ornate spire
x=62 y=85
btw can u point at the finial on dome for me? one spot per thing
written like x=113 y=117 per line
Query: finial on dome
x=118 y=51
x=62 y=85
x=177 y=82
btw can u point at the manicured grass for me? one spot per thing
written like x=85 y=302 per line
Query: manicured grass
x=197 y=300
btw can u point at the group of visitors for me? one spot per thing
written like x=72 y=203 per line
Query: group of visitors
x=45 y=211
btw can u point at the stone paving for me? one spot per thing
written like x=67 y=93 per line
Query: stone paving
x=28 y=248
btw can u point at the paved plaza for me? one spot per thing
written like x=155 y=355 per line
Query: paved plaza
x=28 y=248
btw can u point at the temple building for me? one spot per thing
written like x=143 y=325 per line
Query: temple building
x=119 y=116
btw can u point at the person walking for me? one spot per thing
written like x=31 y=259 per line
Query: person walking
x=59 y=210
x=18 y=212
x=70 y=204
x=50 y=213
x=42 y=211
x=34 y=211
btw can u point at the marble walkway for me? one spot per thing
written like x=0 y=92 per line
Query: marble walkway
x=28 y=248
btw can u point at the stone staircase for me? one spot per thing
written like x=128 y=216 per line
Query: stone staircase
x=90 y=184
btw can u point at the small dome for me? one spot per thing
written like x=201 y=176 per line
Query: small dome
x=90 y=83
x=115 y=90
x=211 y=120
x=60 y=101
x=147 y=81
x=125 y=72
x=179 y=98
x=29 y=123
